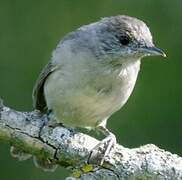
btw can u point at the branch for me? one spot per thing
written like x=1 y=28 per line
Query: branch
x=30 y=132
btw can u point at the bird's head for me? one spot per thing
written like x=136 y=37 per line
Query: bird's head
x=124 y=37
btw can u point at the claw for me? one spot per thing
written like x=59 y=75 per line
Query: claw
x=103 y=149
x=45 y=164
x=19 y=154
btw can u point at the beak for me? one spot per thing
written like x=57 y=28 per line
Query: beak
x=152 y=51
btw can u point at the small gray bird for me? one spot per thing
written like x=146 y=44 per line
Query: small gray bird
x=92 y=73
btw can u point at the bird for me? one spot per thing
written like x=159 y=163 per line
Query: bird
x=92 y=73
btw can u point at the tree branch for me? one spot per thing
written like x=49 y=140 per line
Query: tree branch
x=30 y=132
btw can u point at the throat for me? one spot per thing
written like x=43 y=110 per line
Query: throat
x=129 y=69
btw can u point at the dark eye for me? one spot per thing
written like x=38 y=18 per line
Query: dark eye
x=124 y=40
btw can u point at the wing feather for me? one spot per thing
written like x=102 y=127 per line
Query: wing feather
x=39 y=102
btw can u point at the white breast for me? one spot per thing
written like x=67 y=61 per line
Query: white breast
x=128 y=75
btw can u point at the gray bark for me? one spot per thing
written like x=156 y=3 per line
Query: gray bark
x=32 y=133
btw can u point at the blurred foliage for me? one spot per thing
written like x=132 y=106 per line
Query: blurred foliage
x=30 y=30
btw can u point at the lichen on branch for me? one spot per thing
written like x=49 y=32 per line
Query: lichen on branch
x=32 y=133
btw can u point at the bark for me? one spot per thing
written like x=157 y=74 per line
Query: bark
x=32 y=133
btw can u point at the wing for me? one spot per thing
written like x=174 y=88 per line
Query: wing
x=39 y=102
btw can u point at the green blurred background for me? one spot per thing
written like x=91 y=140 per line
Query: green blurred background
x=30 y=30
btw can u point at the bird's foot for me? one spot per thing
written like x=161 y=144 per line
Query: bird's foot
x=54 y=124
x=19 y=154
x=102 y=150
x=45 y=165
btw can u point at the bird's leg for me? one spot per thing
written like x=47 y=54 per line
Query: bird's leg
x=45 y=164
x=52 y=122
x=102 y=150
